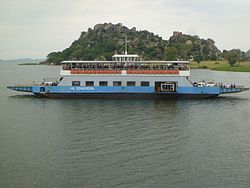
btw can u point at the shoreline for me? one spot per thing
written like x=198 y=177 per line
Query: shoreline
x=222 y=66
x=28 y=64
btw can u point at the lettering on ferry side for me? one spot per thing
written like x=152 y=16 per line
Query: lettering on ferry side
x=72 y=88
x=84 y=88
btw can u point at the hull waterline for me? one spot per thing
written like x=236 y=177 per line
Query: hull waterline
x=125 y=96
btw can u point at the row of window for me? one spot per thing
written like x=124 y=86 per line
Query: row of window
x=105 y=83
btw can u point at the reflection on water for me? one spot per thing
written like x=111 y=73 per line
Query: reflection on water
x=123 y=143
x=23 y=96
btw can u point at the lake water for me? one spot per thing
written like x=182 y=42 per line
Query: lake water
x=122 y=143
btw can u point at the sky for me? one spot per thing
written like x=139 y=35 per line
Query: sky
x=34 y=28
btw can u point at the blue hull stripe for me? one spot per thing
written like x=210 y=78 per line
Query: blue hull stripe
x=121 y=89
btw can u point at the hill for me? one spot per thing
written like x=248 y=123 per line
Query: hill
x=104 y=40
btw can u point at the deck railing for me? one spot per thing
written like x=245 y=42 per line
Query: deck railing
x=152 y=71
x=77 y=71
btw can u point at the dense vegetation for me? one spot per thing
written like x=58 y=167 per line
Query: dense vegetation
x=107 y=39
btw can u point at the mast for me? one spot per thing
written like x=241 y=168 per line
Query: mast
x=126 y=45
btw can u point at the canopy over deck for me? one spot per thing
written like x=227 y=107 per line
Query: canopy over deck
x=137 y=62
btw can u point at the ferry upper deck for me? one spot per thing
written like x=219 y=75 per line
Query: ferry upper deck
x=124 y=64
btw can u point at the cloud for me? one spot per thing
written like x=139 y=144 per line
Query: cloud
x=51 y=25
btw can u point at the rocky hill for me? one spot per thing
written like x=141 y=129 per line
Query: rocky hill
x=188 y=46
x=104 y=40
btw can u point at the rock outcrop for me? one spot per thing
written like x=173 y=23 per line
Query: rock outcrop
x=106 y=39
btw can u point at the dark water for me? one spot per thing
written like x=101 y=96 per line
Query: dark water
x=122 y=143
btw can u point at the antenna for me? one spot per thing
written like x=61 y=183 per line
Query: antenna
x=126 y=45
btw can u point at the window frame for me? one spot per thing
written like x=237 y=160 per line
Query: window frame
x=87 y=83
x=119 y=83
x=106 y=83
x=131 y=85
x=143 y=84
x=73 y=83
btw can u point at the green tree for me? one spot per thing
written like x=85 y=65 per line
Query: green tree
x=198 y=58
x=185 y=51
x=170 y=53
x=55 y=58
x=232 y=57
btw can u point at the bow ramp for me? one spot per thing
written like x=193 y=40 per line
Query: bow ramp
x=23 y=88
x=233 y=90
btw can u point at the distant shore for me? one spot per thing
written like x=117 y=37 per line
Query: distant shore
x=37 y=64
x=28 y=64
x=222 y=66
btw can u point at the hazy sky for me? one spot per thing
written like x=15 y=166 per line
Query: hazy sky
x=34 y=28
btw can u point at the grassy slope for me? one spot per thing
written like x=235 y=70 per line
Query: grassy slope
x=222 y=66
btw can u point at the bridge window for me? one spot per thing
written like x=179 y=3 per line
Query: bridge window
x=103 y=83
x=117 y=83
x=130 y=83
x=89 y=83
x=144 y=83
x=75 y=83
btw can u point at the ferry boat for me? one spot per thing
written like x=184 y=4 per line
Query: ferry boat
x=126 y=76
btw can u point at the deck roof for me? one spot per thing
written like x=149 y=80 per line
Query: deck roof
x=139 y=62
